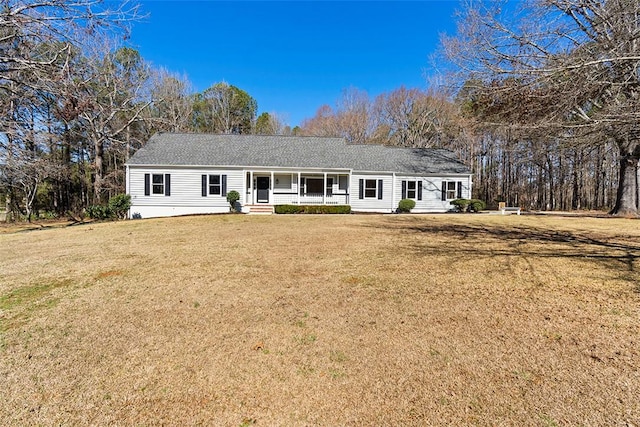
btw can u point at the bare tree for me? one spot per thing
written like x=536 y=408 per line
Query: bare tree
x=324 y=123
x=112 y=90
x=567 y=67
x=354 y=116
x=416 y=118
x=39 y=36
x=39 y=39
x=172 y=105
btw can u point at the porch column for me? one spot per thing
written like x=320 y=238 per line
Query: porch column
x=272 y=184
x=324 y=189
x=299 y=188
x=251 y=201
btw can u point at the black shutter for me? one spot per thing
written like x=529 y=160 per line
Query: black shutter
x=147 y=184
x=379 y=189
x=302 y=181
x=167 y=184
x=419 y=185
x=224 y=185
x=361 y=193
x=204 y=185
x=459 y=189
x=444 y=191
x=404 y=189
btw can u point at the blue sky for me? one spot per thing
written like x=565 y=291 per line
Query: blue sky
x=294 y=56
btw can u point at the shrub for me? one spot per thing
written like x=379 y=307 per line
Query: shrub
x=405 y=205
x=460 y=205
x=98 y=212
x=117 y=208
x=476 y=205
x=232 y=197
x=48 y=215
x=119 y=205
x=465 y=205
x=312 y=209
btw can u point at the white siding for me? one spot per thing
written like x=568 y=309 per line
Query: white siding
x=370 y=204
x=186 y=192
x=432 y=192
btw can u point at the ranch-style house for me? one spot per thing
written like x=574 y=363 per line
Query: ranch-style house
x=182 y=173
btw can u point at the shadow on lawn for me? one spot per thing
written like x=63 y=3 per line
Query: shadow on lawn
x=617 y=252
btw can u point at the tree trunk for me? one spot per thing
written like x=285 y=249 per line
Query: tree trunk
x=627 y=196
x=98 y=170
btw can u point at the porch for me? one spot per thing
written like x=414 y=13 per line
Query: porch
x=296 y=188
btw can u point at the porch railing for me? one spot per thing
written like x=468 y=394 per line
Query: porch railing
x=306 y=199
x=309 y=199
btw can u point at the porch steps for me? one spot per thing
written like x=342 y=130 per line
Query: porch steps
x=261 y=209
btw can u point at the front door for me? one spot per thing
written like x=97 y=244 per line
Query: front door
x=263 y=189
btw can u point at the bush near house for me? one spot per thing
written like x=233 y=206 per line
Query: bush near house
x=312 y=209
x=460 y=205
x=405 y=205
x=117 y=208
x=476 y=205
x=232 y=197
x=468 y=205
x=119 y=205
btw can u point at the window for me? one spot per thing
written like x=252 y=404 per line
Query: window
x=451 y=190
x=370 y=188
x=314 y=185
x=283 y=182
x=157 y=183
x=412 y=190
x=214 y=185
x=343 y=182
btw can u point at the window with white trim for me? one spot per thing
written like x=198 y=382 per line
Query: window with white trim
x=412 y=190
x=215 y=185
x=157 y=181
x=451 y=190
x=370 y=188
x=343 y=182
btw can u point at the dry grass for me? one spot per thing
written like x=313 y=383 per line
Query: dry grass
x=323 y=320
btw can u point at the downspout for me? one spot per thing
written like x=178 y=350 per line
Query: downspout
x=393 y=190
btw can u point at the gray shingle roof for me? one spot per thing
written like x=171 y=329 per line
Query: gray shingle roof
x=184 y=149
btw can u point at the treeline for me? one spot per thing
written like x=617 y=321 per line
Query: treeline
x=544 y=129
x=509 y=164
x=75 y=105
x=543 y=104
